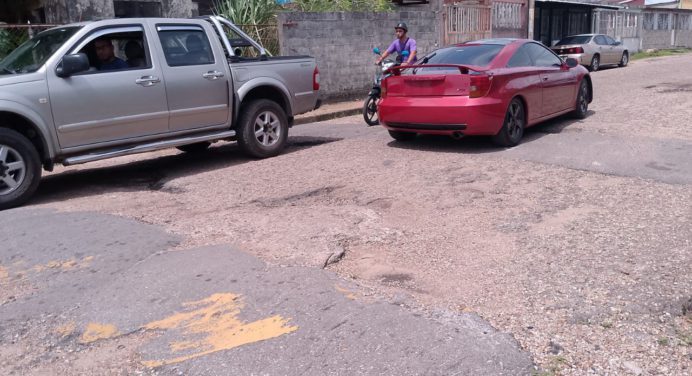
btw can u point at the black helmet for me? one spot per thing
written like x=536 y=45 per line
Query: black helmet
x=401 y=25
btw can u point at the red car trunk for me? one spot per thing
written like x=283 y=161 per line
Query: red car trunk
x=428 y=85
x=457 y=80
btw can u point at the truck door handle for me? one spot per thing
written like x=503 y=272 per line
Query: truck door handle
x=147 y=80
x=213 y=75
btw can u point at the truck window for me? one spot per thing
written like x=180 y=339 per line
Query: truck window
x=116 y=49
x=32 y=54
x=185 y=45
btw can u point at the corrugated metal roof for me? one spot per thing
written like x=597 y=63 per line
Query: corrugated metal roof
x=593 y=3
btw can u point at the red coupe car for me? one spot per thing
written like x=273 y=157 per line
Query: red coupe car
x=495 y=87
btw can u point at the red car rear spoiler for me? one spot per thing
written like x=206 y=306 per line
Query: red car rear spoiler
x=463 y=69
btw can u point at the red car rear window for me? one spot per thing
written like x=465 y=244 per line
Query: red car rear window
x=473 y=54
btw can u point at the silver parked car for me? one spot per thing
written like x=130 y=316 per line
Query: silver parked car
x=593 y=50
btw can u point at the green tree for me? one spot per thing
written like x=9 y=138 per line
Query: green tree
x=255 y=17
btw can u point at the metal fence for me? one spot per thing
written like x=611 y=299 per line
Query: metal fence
x=618 y=23
x=507 y=15
x=11 y=36
x=643 y=29
x=465 y=22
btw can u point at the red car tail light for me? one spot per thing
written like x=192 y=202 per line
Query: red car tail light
x=480 y=85
x=575 y=50
x=316 y=79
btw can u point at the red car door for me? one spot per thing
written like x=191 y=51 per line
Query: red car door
x=525 y=77
x=558 y=83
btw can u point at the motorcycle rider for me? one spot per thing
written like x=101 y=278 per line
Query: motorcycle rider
x=400 y=44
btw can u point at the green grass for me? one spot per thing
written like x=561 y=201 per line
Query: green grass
x=659 y=53
x=554 y=367
x=685 y=338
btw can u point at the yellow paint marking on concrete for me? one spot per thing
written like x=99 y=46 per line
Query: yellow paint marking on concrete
x=86 y=261
x=96 y=331
x=64 y=265
x=4 y=274
x=214 y=324
x=66 y=330
x=349 y=294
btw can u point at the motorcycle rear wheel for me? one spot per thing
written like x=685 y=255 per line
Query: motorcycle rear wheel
x=370 y=111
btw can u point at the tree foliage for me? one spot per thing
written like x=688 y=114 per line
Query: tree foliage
x=343 y=5
x=247 y=12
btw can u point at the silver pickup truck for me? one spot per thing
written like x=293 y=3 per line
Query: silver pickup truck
x=95 y=90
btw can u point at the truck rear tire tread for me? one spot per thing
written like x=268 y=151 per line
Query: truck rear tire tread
x=28 y=155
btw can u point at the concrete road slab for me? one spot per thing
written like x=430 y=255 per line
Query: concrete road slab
x=664 y=160
x=94 y=281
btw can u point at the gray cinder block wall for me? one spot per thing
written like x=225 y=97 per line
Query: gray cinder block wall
x=683 y=38
x=67 y=11
x=342 y=44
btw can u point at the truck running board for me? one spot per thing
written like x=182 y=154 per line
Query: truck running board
x=143 y=148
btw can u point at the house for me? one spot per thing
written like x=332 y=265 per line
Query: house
x=66 y=11
x=669 y=4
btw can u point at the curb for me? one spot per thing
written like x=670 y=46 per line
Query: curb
x=327 y=116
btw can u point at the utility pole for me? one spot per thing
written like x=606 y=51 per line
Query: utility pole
x=531 y=15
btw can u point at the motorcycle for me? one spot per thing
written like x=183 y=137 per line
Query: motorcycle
x=370 y=105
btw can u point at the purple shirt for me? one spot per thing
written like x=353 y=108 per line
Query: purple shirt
x=409 y=46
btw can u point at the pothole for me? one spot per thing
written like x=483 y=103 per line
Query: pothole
x=307 y=141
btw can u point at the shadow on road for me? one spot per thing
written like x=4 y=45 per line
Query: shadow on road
x=152 y=173
x=484 y=145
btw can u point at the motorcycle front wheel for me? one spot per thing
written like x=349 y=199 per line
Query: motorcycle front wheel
x=370 y=111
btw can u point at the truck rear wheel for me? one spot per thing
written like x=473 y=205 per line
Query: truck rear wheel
x=20 y=169
x=263 y=130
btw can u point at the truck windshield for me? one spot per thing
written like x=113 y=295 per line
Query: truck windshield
x=32 y=54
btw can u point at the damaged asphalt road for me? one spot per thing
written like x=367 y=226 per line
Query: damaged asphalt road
x=87 y=293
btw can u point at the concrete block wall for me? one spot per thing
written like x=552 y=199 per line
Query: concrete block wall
x=179 y=8
x=683 y=38
x=656 y=39
x=509 y=33
x=632 y=44
x=67 y=11
x=63 y=11
x=342 y=43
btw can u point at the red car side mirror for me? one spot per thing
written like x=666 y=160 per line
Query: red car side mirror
x=571 y=62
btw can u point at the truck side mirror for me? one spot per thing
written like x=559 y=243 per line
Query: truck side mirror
x=72 y=64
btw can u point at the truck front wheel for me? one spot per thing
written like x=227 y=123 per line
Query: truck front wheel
x=263 y=129
x=20 y=169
